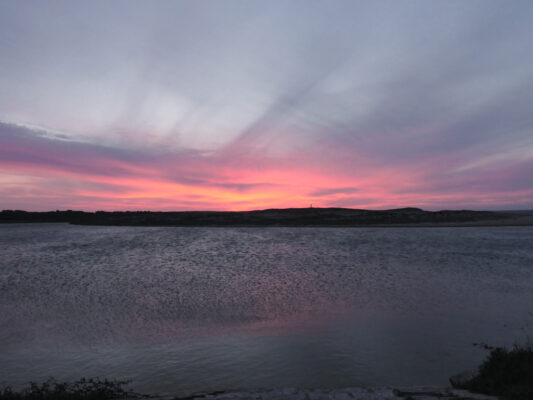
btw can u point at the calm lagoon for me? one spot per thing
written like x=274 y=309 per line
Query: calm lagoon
x=198 y=309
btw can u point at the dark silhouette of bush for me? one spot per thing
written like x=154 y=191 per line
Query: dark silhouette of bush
x=505 y=373
x=83 y=389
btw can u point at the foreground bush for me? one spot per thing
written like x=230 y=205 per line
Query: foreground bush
x=84 y=389
x=505 y=373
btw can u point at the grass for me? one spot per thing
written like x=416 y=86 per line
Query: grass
x=505 y=373
x=83 y=389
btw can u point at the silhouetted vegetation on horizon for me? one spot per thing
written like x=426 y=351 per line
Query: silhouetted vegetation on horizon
x=271 y=217
x=20 y=216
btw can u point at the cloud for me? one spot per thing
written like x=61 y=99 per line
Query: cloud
x=330 y=191
x=251 y=104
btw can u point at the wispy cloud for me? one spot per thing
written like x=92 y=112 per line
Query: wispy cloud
x=48 y=173
x=379 y=104
x=329 y=191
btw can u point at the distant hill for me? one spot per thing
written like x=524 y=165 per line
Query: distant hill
x=273 y=217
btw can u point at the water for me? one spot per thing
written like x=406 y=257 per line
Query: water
x=187 y=309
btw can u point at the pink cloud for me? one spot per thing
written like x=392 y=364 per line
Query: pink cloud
x=40 y=173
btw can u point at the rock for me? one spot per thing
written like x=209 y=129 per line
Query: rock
x=465 y=394
x=459 y=380
x=317 y=395
x=336 y=395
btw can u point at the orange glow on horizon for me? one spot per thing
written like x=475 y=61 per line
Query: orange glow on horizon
x=294 y=183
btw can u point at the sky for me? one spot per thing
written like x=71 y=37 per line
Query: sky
x=239 y=105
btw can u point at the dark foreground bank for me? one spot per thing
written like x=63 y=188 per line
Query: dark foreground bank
x=111 y=390
x=505 y=374
x=290 y=217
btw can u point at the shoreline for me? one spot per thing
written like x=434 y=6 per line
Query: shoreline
x=514 y=222
x=289 y=217
x=347 y=393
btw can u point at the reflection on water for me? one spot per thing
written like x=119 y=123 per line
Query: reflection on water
x=188 y=309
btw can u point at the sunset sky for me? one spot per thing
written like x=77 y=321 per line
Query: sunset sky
x=236 y=105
